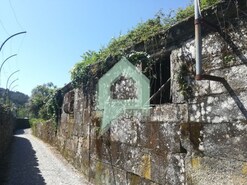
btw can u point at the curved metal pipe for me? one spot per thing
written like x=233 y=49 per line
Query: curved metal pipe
x=10 y=38
x=10 y=77
x=4 y=63
x=13 y=87
x=13 y=82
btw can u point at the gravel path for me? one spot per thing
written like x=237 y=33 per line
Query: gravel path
x=32 y=162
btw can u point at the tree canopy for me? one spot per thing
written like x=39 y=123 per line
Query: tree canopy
x=41 y=101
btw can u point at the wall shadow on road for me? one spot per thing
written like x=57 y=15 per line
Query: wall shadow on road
x=23 y=164
x=3 y=168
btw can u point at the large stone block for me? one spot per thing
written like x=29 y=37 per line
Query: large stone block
x=100 y=150
x=149 y=135
x=124 y=129
x=169 y=113
x=216 y=171
x=169 y=170
x=133 y=159
x=160 y=137
x=218 y=58
x=107 y=174
x=191 y=137
x=101 y=173
x=133 y=179
x=176 y=63
x=232 y=77
x=219 y=109
x=228 y=140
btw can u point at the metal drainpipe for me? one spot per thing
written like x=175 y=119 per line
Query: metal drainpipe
x=198 y=40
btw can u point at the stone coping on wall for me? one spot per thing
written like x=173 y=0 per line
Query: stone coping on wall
x=169 y=112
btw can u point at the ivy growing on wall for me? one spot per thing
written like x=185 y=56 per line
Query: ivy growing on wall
x=184 y=79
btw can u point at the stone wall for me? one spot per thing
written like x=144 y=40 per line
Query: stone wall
x=7 y=122
x=216 y=107
x=198 y=138
x=45 y=131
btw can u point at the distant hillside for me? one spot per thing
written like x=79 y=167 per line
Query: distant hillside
x=16 y=97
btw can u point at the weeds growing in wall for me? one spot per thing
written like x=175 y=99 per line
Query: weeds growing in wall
x=117 y=47
x=184 y=86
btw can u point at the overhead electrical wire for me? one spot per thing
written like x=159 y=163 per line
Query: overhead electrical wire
x=5 y=30
x=16 y=19
x=12 y=48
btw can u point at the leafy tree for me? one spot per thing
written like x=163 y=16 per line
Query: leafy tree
x=22 y=111
x=40 y=102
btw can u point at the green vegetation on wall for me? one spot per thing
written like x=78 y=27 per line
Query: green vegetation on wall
x=183 y=81
x=189 y=10
x=141 y=33
x=43 y=103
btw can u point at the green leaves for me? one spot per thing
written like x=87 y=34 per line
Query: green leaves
x=141 y=33
x=116 y=47
x=189 y=11
x=41 y=104
x=183 y=82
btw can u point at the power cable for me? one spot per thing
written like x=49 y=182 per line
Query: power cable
x=16 y=19
x=19 y=49
x=21 y=43
x=1 y=23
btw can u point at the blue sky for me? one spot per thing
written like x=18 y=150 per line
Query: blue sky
x=60 y=31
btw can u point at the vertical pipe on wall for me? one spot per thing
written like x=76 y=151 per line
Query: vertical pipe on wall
x=198 y=40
